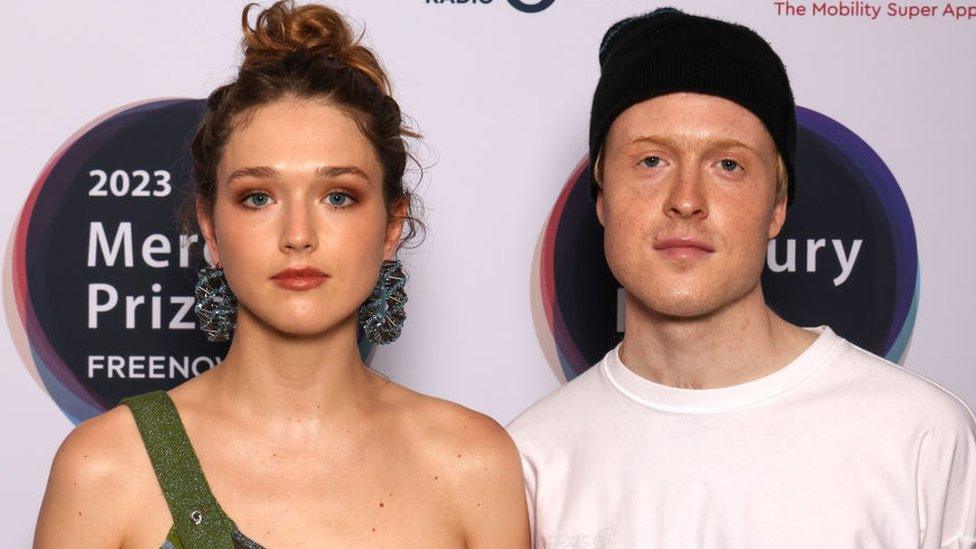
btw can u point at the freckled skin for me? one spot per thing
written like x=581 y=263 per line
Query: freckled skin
x=293 y=386
x=346 y=243
x=689 y=199
x=688 y=194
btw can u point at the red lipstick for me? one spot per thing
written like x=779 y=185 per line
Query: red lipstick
x=301 y=279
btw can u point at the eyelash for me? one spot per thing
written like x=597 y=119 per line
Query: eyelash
x=350 y=200
x=249 y=196
x=643 y=161
x=722 y=162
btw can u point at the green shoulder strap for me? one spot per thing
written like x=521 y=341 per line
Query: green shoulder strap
x=197 y=516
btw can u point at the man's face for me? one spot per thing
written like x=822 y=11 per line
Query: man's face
x=688 y=202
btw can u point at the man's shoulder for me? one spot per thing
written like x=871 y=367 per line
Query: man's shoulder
x=883 y=385
x=560 y=410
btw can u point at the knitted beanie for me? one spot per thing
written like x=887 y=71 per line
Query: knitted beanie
x=667 y=51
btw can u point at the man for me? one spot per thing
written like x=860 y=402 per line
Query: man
x=716 y=423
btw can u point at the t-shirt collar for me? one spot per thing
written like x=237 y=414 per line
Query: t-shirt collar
x=724 y=399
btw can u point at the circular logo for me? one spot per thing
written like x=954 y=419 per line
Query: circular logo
x=531 y=7
x=100 y=271
x=847 y=256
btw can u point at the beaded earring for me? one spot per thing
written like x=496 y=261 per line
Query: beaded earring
x=382 y=315
x=216 y=306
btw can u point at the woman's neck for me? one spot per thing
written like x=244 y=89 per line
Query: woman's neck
x=269 y=376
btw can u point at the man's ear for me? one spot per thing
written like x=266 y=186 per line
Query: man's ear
x=597 y=175
x=394 y=229
x=205 y=222
x=600 y=214
x=779 y=216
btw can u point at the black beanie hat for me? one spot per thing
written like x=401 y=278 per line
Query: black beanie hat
x=667 y=51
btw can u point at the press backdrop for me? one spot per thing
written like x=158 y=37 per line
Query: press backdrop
x=509 y=295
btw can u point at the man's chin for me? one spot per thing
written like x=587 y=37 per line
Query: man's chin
x=687 y=312
x=686 y=305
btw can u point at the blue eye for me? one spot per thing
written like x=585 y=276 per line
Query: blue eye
x=729 y=165
x=651 y=162
x=257 y=200
x=339 y=200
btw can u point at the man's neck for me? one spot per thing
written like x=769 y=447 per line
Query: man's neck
x=740 y=342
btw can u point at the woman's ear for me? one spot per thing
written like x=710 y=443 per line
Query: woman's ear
x=394 y=229
x=205 y=222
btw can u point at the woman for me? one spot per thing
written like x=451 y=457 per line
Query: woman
x=292 y=441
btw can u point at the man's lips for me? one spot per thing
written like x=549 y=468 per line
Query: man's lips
x=683 y=247
x=304 y=278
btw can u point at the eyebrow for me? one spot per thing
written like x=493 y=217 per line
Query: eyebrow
x=720 y=144
x=266 y=172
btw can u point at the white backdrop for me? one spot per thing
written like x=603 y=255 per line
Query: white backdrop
x=502 y=98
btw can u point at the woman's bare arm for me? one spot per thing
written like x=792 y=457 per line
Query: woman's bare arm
x=85 y=504
x=491 y=491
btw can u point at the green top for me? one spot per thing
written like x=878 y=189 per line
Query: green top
x=198 y=520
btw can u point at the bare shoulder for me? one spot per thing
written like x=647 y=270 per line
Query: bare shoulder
x=449 y=431
x=99 y=452
x=477 y=461
x=94 y=481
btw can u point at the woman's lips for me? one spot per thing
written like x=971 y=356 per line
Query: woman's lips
x=300 y=279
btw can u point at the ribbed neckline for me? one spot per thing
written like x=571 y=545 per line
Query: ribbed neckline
x=725 y=399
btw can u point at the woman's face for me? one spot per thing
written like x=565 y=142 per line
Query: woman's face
x=299 y=187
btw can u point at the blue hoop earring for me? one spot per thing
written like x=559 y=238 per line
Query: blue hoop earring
x=216 y=306
x=382 y=315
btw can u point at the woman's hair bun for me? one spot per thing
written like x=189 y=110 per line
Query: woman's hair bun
x=285 y=28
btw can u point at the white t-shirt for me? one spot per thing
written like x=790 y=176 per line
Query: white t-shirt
x=838 y=449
